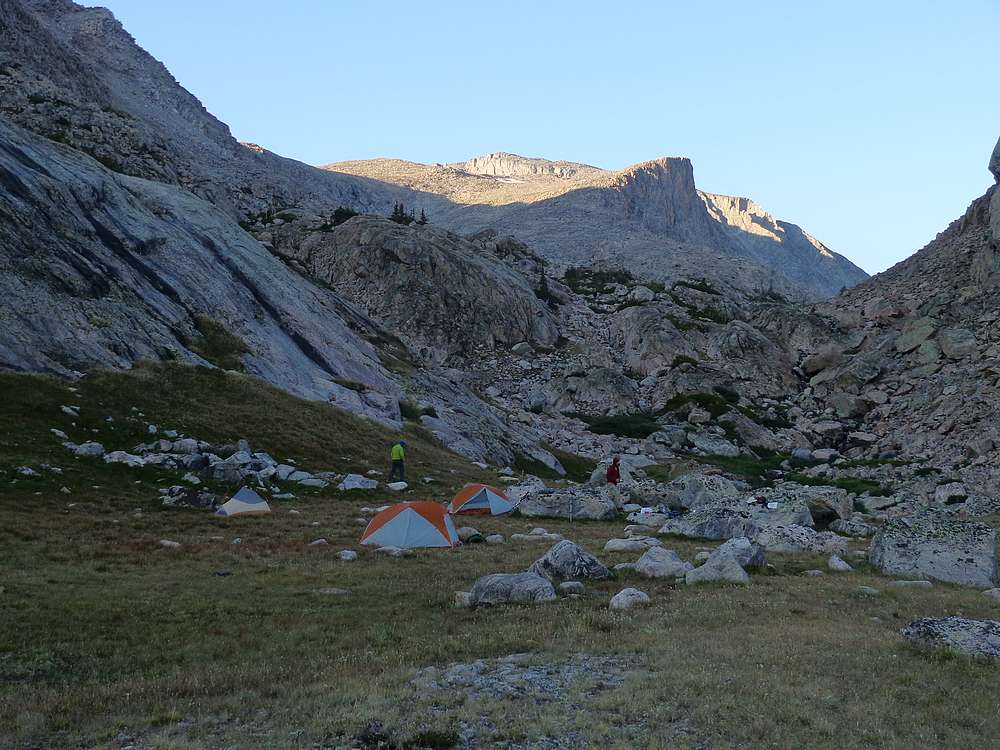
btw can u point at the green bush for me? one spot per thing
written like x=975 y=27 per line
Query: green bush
x=217 y=345
x=637 y=426
x=351 y=384
x=701 y=285
x=727 y=393
x=413 y=412
x=682 y=359
x=713 y=403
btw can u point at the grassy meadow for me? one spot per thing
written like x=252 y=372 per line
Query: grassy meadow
x=108 y=639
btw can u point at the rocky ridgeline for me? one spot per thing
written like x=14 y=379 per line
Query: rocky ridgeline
x=648 y=217
x=915 y=360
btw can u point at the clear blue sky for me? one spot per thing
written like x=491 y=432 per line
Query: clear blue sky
x=868 y=123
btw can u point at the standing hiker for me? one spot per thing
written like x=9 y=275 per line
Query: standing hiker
x=614 y=474
x=398 y=456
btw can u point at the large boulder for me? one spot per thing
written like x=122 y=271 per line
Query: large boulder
x=628 y=598
x=734 y=519
x=569 y=561
x=693 y=490
x=713 y=445
x=747 y=553
x=632 y=544
x=657 y=562
x=795 y=539
x=590 y=503
x=717 y=568
x=959 y=634
x=511 y=588
x=927 y=546
x=824 y=503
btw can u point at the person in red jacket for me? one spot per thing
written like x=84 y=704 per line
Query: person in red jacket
x=614 y=471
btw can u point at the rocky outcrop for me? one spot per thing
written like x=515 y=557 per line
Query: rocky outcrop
x=74 y=75
x=511 y=588
x=649 y=217
x=658 y=562
x=978 y=638
x=589 y=503
x=441 y=294
x=502 y=164
x=928 y=547
x=98 y=269
x=917 y=354
x=569 y=561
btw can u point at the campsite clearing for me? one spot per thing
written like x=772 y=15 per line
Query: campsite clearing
x=108 y=638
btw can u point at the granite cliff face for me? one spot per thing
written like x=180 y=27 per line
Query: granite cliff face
x=502 y=164
x=915 y=358
x=443 y=295
x=120 y=197
x=649 y=219
x=74 y=75
x=100 y=269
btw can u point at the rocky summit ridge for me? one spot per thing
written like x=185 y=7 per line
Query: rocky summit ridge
x=649 y=218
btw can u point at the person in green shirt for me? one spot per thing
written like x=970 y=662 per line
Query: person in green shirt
x=398 y=456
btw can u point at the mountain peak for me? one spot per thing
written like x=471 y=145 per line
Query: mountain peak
x=504 y=164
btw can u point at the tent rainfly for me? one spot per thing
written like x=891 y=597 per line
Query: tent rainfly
x=480 y=499
x=412 y=524
x=243 y=503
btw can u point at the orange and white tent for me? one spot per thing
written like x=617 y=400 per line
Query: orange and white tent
x=480 y=499
x=412 y=524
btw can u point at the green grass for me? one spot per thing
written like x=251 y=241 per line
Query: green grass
x=701 y=285
x=713 y=403
x=578 y=468
x=413 y=411
x=851 y=484
x=103 y=631
x=352 y=385
x=589 y=281
x=777 y=422
x=624 y=425
x=218 y=345
x=683 y=359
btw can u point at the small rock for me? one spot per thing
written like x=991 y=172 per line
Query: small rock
x=318 y=542
x=357 y=482
x=628 y=598
x=91 y=449
x=571 y=587
x=397 y=486
x=495 y=539
x=912 y=584
x=868 y=591
x=463 y=599
x=59 y=434
x=813 y=573
x=170 y=544
x=391 y=551
x=839 y=565
x=468 y=534
x=347 y=555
